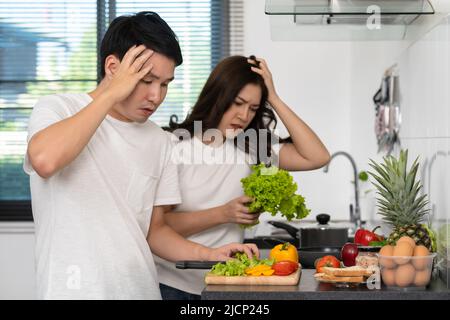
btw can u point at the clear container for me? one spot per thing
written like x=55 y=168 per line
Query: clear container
x=402 y=272
x=367 y=256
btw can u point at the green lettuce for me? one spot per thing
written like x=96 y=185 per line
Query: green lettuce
x=273 y=190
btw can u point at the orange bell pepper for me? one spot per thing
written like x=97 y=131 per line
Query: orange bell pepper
x=285 y=251
x=261 y=270
x=268 y=272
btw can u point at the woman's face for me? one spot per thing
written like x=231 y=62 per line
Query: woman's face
x=242 y=111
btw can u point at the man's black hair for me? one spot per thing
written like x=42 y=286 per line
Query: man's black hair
x=146 y=28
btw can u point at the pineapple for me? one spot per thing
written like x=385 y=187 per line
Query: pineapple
x=399 y=202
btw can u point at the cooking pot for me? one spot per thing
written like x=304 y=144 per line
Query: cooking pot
x=320 y=234
x=307 y=255
x=316 y=240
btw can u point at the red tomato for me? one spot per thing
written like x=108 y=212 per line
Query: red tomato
x=327 y=261
x=284 y=268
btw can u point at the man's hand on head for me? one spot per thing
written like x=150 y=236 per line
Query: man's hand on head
x=130 y=71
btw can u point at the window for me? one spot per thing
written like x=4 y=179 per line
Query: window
x=50 y=46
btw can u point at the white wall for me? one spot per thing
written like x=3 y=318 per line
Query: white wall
x=331 y=84
x=369 y=60
x=17 y=275
x=424 y=71
x=313 y=78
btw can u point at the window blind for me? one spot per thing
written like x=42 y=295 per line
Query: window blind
x=45 y=47
x=50 y=46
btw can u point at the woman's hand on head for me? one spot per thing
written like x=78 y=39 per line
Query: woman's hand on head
x=261 y=68
x=236 y=211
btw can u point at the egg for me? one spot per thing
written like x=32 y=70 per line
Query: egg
x=403 y=252
x=407 y=239
x=421 y=258
x=387 y=251
x=388 y=276
x=404 y=275
x=422 y=278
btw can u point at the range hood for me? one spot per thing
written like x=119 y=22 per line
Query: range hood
x=344 y=19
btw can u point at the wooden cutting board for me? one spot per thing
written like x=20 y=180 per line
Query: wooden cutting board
x=291 y=279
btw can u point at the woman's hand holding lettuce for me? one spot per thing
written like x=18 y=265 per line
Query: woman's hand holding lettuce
x=273 y=190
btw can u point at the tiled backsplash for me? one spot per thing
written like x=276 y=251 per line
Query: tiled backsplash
x=424 y=70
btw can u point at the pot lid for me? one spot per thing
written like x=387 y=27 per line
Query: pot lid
x=323 y=223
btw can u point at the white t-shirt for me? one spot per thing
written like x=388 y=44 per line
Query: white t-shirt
x=92 y=217
x=208 y=177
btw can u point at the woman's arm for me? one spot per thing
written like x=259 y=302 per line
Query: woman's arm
x=306 y=152
x=189 y=223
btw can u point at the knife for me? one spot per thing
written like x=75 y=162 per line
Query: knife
x=195 y=264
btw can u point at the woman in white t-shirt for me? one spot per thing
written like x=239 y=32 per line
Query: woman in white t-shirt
x=238 y=99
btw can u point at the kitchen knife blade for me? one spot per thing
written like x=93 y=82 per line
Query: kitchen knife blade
x=194 y=264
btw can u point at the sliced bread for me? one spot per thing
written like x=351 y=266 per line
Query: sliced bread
x=347 y=272
x=330 y=278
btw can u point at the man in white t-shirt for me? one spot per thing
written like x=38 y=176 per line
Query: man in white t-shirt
x=100 y=173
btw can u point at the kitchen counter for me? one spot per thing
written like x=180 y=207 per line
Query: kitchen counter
x=309 y=289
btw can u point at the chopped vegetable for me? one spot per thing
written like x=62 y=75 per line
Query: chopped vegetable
x=238 y=265
x=273 y=190
x=259 y=270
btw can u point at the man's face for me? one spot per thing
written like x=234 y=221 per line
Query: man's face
x=149 y=92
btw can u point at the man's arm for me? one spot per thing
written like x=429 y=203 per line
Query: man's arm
x=189 y=223
x=54 y=147
x=169 y=245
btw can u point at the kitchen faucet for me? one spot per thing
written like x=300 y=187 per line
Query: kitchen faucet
x=355 y=217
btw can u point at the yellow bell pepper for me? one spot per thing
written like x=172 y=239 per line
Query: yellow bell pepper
x=285 y=251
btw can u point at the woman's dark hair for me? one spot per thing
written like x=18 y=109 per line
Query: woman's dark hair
x=146 y=28
x=225 y=82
